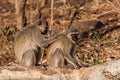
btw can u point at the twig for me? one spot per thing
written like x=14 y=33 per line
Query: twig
x=113 y=5
x=74 y=15
x=118 y=3
x=51 y=22
x=106 y=12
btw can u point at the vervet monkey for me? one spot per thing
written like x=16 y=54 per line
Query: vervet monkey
x=30 y=42
x=56 y=59
x=64 y=47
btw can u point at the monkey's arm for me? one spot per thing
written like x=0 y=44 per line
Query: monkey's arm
x=42 y=42
x=50 y=40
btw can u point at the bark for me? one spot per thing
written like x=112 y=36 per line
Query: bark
x=27 y=11
x=107 y=71
x=20 y=13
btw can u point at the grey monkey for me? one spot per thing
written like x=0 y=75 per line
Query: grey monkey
x=63 y=49
x=30 y=43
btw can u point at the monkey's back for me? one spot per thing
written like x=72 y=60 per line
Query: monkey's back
x=24 y=41
x=63 y=43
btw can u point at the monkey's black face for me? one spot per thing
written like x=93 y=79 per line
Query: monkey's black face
x=43 y=25
x=45 y=31
x=75 y=37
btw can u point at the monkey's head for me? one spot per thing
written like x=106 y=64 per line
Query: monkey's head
x=42 y=25
x=75 y=35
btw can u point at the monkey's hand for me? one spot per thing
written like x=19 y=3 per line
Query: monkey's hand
x=44 y=48
x=46 y=42
x=59 y=36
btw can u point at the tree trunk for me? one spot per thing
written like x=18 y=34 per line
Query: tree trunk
x=20 y=13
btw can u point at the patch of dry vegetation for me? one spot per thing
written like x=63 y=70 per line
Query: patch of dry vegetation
x=100 y=44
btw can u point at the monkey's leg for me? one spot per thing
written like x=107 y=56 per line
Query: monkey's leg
x=29 y=58
x=78 y=61
x=57 y=59
x=41 y=56
x=71 y=60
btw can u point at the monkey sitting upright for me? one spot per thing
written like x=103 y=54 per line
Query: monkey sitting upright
x=30 y=42
x=63 y=49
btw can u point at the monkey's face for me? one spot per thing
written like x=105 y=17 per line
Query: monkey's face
x=43 y=29
x=75 y=35
x=43 y=26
